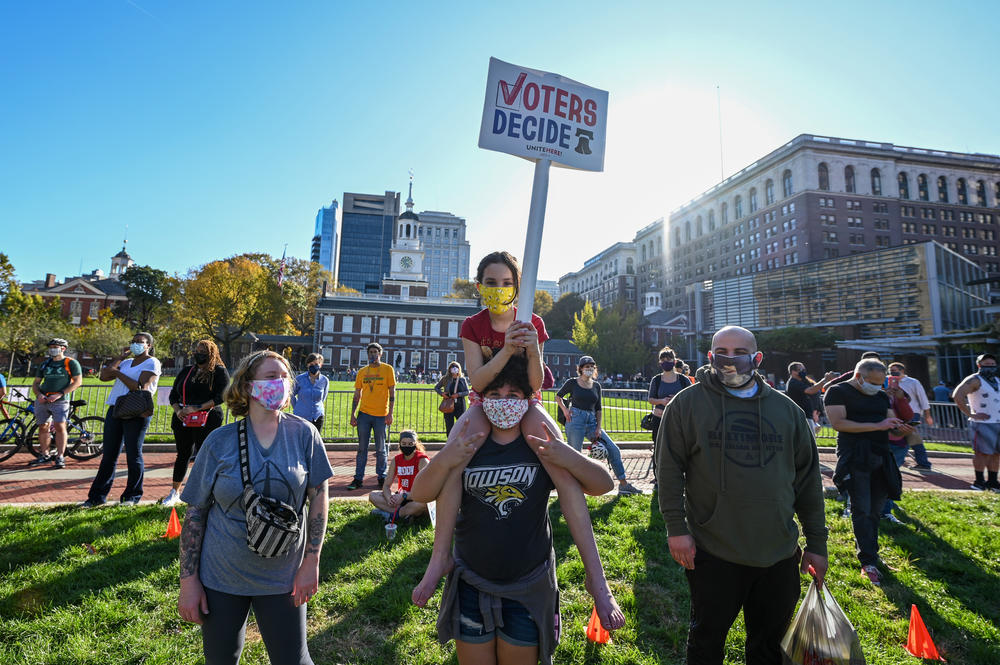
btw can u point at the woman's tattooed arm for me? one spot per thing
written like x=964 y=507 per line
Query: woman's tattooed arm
x=192 y=535
x=319 y=503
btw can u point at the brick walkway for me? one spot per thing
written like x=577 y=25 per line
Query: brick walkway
x=21 y=485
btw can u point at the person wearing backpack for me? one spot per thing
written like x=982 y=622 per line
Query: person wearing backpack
x=57 y=377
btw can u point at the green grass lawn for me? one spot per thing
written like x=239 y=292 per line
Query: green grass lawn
x=61 y=604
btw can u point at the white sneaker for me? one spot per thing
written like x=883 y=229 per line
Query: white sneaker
x=171 y=499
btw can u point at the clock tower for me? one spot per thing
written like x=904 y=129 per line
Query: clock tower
x=406 y=277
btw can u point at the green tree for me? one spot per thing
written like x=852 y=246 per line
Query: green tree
x=224 y=300
x=543 y=303
x=7 y=280
x=27 y=322
x=301 y=288
x=149 y=291
x=463 y=288
x=585 y=329
x=559 y=320
x=103 y=337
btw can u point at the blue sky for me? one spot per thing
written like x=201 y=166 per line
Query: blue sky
x=216 y=128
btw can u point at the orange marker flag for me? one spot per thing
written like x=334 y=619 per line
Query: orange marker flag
x=173 y=526
x=595 y=631
x=919 y=642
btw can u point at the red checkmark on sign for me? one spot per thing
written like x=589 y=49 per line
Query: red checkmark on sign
x=510 y=94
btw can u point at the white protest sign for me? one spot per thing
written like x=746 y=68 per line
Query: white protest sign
x=540 y=115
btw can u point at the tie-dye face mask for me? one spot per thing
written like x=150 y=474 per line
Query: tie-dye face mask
x=498 y=299
x=505 y=413
x=270 y=393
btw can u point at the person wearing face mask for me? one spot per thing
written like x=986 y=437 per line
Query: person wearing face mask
x=140 y=372
x=663 y=387
x=863 y=416
x=802 y=390
x=453 y=385
x=221 y=578
x=196 y=398
x=978 y=397
x=57 y=377
x=503 y=555
x=583 y=418
x=371 y=413
x=736 y=464
x=404 y=467
x=309 y=392
x=921 y=408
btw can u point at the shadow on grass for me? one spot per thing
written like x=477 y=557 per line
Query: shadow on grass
x=963 y=579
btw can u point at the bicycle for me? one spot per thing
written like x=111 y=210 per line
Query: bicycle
x=84 y=434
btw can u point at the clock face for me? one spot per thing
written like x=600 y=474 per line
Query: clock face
x=406 y=263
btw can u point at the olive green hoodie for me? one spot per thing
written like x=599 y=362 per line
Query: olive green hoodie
x=732 y=472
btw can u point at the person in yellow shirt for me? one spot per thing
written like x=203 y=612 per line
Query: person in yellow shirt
x=375 y=392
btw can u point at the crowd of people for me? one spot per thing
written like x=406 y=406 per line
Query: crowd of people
x=735 y=463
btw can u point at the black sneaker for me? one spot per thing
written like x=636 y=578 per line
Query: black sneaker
x=131 y=501
x=993 y=485
x=381 y=482
x=89 y=503
x=44 y=459
x=978 y=486
x=922 y=467
x=355 y=485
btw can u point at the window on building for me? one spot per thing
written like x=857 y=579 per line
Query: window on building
x=366 y=324
x=881 y=241
x=829 y=236
x=328 y=323
x=904 y=185
x=453 y=330
x=922 y=191
x=418 y=328
x=345 y=357
x=769 y=192
x=383 y=325
x=432 y=360
x=400 y=326
x=824 y=177
x=677 y=243
x=687 y=234
x=876 y=183
x=942 y=187
x=786 y=183
x=738 y=207
x=996 y=194
x=849 y=179
x=698 y=227
x=724 y=213
x=435 y=328
x=981 y=193
x=963 y=192
x=415 y=357
x=711 y=220
x=753 y=200
x=347 y=324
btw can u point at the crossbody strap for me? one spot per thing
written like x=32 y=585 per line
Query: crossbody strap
x=244 y=454
x=184 y=398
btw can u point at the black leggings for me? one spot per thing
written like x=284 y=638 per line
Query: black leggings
x=189 y=439
x=282 y=627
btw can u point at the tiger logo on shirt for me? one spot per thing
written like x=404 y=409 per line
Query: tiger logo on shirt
x=501 y=487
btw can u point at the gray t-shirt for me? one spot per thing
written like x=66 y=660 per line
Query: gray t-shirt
x=295 y=461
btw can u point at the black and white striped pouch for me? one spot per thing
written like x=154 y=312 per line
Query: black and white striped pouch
x=272 y=525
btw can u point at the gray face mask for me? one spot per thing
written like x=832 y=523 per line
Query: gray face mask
x=869 y=388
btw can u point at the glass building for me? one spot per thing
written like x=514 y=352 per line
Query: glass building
x=366 y=232
x=324 y=242
x=919 y=299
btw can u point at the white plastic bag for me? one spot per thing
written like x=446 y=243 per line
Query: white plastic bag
x=821 y=634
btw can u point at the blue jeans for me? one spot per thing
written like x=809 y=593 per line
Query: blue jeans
x=131 y=433
x=368 y=425
x=582 y=425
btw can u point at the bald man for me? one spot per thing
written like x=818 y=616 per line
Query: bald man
x=736 y=461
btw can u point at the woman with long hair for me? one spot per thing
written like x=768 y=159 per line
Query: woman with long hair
x=196 y=398
x=454 y=385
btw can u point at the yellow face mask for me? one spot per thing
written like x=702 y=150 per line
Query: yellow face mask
x=498 y=299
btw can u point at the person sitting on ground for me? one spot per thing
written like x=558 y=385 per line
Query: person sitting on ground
x=503 y=555
x=405 y=466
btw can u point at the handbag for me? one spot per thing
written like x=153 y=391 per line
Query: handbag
x=648 y=421
x=447 y=405
x=134 y=404
x=198 y=418
x=272 y=525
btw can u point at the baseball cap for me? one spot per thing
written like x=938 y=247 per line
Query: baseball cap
x=585 y=360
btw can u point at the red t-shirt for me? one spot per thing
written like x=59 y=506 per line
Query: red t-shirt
x=406 y=470
x=478 y=329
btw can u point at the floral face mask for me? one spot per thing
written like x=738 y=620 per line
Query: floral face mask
x=270 y=393
x=505 y=413
x=498 y=299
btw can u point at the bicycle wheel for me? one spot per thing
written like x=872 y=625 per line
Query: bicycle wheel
x=30 y=441
x=11 y=436
x=85 y=437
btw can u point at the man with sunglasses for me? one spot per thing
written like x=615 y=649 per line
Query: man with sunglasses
x=736 y=462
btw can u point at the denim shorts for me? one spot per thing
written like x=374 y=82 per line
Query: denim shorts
x=58 y=411
x=518 y=627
